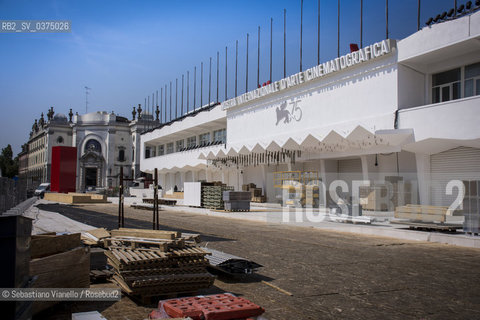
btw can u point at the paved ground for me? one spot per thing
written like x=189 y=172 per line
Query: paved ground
x=331 y=275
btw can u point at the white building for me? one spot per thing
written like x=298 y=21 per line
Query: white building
x=407 y=109
x=104 y=141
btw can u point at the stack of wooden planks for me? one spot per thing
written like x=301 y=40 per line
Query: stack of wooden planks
x=422 y=213
x=94 y=237
x=156 y=262
x=58 y=261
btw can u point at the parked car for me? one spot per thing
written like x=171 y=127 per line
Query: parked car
x=42 y=188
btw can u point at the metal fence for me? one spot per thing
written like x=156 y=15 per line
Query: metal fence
x=12 y=192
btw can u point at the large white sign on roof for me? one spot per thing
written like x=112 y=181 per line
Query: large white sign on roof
x=370 y=52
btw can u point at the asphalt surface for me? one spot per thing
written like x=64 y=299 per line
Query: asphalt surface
x=330 y=275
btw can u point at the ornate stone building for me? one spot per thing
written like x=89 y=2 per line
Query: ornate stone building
x=105 y=142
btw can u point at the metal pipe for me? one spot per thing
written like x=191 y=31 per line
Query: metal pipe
x=226 y=74
x=188 y=89
x=218 y=64
x=194 y=87
x=338 y=29
x=418 y=16
x=181 y=108
x=246 y=73
x=201 y=86
x=271 y=42
x=170 y=100
x=386 y=18
x=236 y=65
x=301 y=33
x=156 y=224
x=210 y=83
x=318 y=34
x=258 y=58
x=165 y=114
x=361 y=23
x=176 y=98
x=284 y=43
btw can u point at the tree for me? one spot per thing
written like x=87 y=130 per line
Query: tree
x=8 y=165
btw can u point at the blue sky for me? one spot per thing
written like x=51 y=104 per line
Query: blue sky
x=127 y=50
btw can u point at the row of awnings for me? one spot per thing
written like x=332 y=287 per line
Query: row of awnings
x=359 y=139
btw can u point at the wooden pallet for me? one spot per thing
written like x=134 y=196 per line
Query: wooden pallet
x=159 y=271
x=430 y=226
x=164 y=289
x=165 y=202
x=422 y=213
x=152 y=262
x=97 y=276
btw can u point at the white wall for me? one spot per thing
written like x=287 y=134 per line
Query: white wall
x=439 y=36
x=411 y=87
x=451 y=120
x=364 y=95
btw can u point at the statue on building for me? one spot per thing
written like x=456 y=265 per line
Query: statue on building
x=134 y=114
x=157 y=112
x=70 y=115
x=41 y=122
x=50 y=114
x=139 y=110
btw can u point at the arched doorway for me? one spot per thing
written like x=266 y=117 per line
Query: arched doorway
x=91 y=166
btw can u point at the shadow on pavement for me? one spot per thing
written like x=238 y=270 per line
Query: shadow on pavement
x=108 y=221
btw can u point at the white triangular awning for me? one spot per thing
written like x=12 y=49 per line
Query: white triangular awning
x=273 y=146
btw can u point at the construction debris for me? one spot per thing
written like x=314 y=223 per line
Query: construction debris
x=93 y=237
x=58 y=262
x=229 y=263
x=156 y=262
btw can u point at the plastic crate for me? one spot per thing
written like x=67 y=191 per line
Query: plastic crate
x=237 y=205
x=236 y=196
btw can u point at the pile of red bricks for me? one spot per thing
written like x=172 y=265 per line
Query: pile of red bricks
x=212 y=307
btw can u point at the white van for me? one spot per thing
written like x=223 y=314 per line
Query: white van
x=42 y=188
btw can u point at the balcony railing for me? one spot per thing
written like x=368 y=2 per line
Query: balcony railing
x=198 y=146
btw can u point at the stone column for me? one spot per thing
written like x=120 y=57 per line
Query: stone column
x=208 y=174
x=172 y=182
x=182 y=181
x=364 y=167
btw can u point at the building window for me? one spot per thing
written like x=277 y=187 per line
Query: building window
x=204 y=138
x=179 y=145
x=93 y=145
x=446 y=86
x=472 y=80
x=161 y=150
x=121 y=155
x=220 y=136
x=191 y=142
x=169 y=147
x=147 y=152
x=60 y=139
